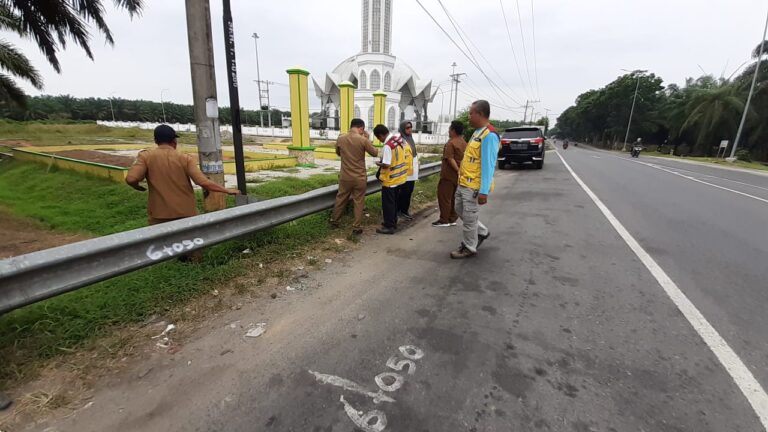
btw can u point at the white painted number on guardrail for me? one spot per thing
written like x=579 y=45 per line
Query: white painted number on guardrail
x=174 y=249
x=375 y=420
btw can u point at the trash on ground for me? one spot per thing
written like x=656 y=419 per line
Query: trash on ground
x=167 y=330
x=361 y=317
x=257 y=331
x=328 y=260
x=273 y=295
x=247 y=251
x=338 y=241
x=289 y=288
x=215 y=292
x=261 y=265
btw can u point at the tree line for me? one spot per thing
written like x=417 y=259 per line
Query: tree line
x=690 y=119
x=65 y=107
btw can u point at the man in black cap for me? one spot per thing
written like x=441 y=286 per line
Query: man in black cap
x=168 y=173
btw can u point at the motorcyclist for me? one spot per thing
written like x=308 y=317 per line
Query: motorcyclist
x=637 y=147
x=565 y=143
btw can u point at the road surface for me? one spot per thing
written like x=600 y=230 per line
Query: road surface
x=557 y=325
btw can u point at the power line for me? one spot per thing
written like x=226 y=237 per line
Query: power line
x=535 y=60
x=459 y=32
x=522 y=38
x=473 y=96
x=490 y=81
x=512 y=45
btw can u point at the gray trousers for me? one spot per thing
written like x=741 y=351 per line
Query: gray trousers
x=469 y=211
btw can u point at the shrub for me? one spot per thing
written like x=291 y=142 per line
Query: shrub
x=743 y=155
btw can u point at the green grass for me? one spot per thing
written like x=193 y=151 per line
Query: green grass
x=715 y=161
x=66 y=201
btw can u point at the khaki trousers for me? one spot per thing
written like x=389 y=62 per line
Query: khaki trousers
x=446 y=199
x=350 y=190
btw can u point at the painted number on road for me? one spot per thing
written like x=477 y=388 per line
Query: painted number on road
x=173 y=249
x=375 y=420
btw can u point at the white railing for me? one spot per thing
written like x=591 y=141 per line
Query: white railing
x=420 y=138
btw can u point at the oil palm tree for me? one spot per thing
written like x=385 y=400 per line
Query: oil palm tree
x=714 y=114
x=52 y=24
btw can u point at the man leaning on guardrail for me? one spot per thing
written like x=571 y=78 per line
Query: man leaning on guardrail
x=168 y=173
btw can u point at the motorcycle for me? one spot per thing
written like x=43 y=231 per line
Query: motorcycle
x=636 y=151
x=565 y=145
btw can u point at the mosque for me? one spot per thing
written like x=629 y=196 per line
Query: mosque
x=374 y=68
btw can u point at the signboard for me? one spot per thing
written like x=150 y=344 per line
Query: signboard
x=724 y=144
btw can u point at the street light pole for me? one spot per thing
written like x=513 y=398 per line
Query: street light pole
x=255 y=37
x=111 y=108
x=162 y=104
x=749 y=97
x=632 y=111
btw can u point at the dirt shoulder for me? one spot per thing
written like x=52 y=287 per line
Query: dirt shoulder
x=22 y=236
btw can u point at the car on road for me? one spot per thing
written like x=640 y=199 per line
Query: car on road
x=521 y=145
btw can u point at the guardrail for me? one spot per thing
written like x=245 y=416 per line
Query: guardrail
x=37 y=276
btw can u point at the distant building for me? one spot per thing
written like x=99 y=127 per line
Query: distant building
x=375 y=68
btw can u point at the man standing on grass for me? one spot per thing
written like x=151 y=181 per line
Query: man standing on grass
x=168 y=173
x=453 y=153
x=476 y=179
x=353 y=176
x=393 y=174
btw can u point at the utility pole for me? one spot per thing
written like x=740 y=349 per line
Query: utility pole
x=749 y=97
x=234 y=98
x=255 y=37
x=450 y=97
x=455 y=82
x=111 y=108
x=527 y=104
x=206 y=105
x=631 y=112
x=162 y=104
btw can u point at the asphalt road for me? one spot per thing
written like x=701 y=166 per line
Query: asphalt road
x=555 y=326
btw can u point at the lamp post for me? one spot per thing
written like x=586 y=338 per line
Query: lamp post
x=162 y=104
x=634 y=99
x=749 y=97
x=111 y=108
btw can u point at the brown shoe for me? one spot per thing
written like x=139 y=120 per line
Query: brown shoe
x=462 y=253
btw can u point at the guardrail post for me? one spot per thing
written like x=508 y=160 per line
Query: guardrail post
x=347 y=108
x=297 y=80
x=379 y=105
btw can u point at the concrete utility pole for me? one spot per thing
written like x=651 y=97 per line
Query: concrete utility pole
x=634 y=99
x=527 y=104
x=205 y=99
x=749 y=98
x=455 y=82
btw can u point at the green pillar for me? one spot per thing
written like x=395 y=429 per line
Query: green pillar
x=297 y=81
x=347 y=108
x=379 y=108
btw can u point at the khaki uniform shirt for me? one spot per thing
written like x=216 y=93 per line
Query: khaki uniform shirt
x=168 y=173
x=352 y=148
x=454 y=149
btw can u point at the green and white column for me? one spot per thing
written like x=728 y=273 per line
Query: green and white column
x=379 y=108
x=347 y=108
x=298 y=83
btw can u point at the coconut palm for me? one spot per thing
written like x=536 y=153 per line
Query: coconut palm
x=51 y=24
x=714 y=114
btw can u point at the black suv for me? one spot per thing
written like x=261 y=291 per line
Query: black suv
x=522 y=144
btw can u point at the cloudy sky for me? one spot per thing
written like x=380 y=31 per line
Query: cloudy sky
x=579 y=45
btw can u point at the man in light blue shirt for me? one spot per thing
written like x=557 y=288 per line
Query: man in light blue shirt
x=476 y=179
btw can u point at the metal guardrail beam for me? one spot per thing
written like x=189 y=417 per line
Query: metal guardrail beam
x=37 y=276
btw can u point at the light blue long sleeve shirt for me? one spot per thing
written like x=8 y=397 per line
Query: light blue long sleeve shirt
x=489 y=153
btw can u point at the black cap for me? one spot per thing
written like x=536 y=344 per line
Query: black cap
x=164 y=134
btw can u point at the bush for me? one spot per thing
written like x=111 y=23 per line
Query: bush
x=743 y=155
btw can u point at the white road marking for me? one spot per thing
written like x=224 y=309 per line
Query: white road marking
x=736 y=368
x=714 y=177
x=351 y=386
x=596 y=157
x=696 y=180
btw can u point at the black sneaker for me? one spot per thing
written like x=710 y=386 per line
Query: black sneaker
x=438 y=223
x=385 y=230
x=482 y=238
x=405 y=216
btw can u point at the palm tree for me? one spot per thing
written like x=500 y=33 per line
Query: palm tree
x=714 y=114
x=51 y=24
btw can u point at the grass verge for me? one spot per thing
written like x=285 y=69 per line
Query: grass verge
x=31 y=336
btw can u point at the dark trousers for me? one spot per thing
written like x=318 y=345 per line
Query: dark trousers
x=389 y=197
x=404 y=198
x=446 y=199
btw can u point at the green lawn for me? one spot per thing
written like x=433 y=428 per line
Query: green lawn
x=65 y=201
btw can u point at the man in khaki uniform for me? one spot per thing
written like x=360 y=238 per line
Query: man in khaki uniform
x=453 y=153
x=353 y=177
x=168 y=173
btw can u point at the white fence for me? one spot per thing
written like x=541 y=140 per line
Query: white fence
x=420 y=138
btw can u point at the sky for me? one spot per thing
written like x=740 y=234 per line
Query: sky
x=579 y=45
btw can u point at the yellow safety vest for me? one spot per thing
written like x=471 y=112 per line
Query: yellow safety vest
x=397 y=173
x=470 y=170
x=408 y=158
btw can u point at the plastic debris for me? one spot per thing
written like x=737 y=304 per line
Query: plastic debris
x=168 y=329
x=289 y=288
x=257 y=331
x=247 y=251
x=328 y=260
x=338 y=241
x=215 y=292
x=261 y=265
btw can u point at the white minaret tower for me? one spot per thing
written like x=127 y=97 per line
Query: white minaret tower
x=376 y=26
